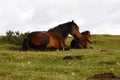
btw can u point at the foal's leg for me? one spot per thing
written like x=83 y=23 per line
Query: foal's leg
x=85 y=46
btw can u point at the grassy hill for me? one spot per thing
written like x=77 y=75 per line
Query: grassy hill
x=36 y=65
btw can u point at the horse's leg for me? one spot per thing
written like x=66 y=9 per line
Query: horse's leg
x=63 y=46
x=55 y=44
x=51 y=46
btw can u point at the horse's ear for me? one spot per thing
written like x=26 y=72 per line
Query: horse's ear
x=72 y=21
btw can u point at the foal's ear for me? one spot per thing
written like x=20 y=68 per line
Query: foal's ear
x=88 y=31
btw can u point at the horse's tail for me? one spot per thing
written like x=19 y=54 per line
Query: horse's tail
x=25 y=44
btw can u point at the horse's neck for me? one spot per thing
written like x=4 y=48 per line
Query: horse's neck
x=59 y=31
x=64 y=30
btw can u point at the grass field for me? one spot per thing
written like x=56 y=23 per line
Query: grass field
x=32 y=65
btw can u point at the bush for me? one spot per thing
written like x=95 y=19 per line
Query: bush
x=15 y=38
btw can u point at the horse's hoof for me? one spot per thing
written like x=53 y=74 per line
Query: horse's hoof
x=67 y=48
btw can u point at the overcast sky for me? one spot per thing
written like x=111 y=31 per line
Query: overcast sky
x=98 y=16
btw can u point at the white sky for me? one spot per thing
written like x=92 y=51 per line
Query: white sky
x=98 y=16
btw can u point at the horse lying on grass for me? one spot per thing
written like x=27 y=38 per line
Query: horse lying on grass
x=52 y=39
x=86 y=37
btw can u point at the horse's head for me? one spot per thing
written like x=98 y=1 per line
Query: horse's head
x=87 y=36
x=74 y=31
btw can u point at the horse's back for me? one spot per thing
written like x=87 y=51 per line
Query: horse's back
x=39 y=38
x=36 y=41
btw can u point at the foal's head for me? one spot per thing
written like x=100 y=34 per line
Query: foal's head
x=86 y=35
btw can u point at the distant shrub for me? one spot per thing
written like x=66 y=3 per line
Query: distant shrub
x=15 y=38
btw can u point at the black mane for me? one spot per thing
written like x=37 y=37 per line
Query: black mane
x=62 y=29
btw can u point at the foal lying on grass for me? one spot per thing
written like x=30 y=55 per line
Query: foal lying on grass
x=86 y=37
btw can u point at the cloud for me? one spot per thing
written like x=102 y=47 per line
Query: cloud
x=100 y=17
x=107 y=28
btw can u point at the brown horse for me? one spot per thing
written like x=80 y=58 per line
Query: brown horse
x=54 y=38
x=86 y=37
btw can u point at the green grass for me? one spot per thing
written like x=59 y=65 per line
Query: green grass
x=32 y=65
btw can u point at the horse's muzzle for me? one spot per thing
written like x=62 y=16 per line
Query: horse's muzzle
x=79 y=38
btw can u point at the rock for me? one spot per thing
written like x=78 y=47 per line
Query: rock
x=103 y=50
x=72 y=57
x=69 y=58
x=104 y=76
